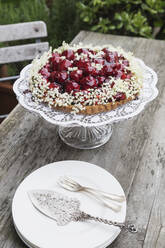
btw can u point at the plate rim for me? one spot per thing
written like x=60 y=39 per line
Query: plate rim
x=56 y=163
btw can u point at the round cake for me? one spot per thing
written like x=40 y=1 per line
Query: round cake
x=85 y=79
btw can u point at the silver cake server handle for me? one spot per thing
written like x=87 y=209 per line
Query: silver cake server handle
x=64 y=209
x=123 y=226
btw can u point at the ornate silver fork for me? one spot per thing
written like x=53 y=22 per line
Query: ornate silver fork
x=106 y=198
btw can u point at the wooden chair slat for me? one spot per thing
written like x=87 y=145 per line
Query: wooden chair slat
x=23 y=31
x=22 y=52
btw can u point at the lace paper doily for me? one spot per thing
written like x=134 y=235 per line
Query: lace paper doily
x=148 y=93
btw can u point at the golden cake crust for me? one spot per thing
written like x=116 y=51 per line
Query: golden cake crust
x=95 y=109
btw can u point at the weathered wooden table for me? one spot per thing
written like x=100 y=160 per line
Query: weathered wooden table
x=135 y=154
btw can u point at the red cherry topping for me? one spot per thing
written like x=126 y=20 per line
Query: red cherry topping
x=61 y=76
x=112 y=84
x=129 y=75
x=51 y=86
x=101 y=80
x=76 y=75
x=55 y=60
x=115 y=54
x=91 y=51
x=119 y=74
x=88 y=82
x=88 y=68
x=82 y=50
x=63 y=66
x=47 y=66
x=95 y=72
x=109 y=57
x=69 y=54
x=71 y=86
x=123 y=76
x=80 y=64
x=55 y=55
x=118 y=66
x=53 y=76
x=105 y=50
x=121 y=57
x=120 y=96
x=107 y=69
x=125 y=62
x=45 y=73
x=86 y=76
x=54 y=85
x=99 y=61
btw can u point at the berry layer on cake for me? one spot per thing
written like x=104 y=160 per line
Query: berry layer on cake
x=85 y=79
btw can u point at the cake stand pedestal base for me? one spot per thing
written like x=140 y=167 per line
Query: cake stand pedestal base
x=85 y=137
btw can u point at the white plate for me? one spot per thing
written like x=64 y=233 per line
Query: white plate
x=41 y=231
x=31 y=246
x=24 y=240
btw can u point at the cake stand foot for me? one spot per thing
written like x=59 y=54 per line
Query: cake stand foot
x=85 y=137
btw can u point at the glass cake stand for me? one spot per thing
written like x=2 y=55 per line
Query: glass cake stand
x=87 y=131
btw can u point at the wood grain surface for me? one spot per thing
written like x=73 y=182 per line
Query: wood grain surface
x=135 y=154
x=22 y=52
x=23 y=31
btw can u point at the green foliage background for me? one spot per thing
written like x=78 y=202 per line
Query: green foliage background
x=128 y=17
x=64 y=18
x=59 y=15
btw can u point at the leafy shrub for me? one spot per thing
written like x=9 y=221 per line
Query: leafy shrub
x=64 y=21
x=129 y=17
x=14 y=11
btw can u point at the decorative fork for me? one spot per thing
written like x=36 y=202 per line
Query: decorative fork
x=106 y=198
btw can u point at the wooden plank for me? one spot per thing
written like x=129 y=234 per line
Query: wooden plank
x=155 y=234
x=22 y=52
x=22 y=31
x=143 y=143
x=134 y=154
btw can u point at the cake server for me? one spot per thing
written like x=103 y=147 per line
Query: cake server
x=64 y=209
